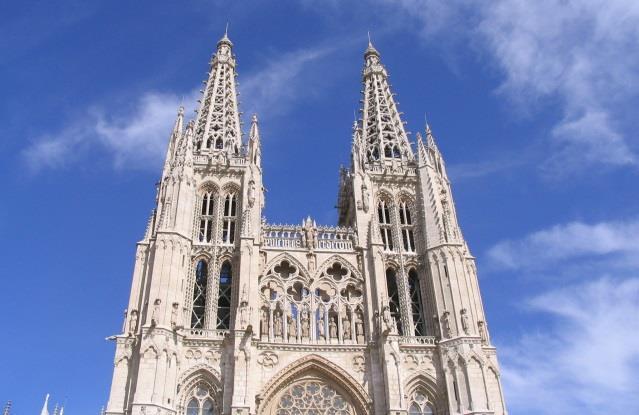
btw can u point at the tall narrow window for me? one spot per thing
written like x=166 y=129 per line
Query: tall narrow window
x=393 y=298
x=383 y=213
x=406 y=224
x=199 y=294
x=228 y=221
x=416 y=306
x=224 y=298
x=206 y=217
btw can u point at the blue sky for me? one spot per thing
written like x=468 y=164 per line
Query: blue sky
x=533 y=105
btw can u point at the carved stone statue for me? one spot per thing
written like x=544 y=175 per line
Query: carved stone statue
x=264 y=323
x=320 y=327
x=332 y=327
x=365 y=197
x=292 y=326
x=156 y=312
x=389 y=322
x=481 y=326
x=310 y=235
x=277 y=323
x=438 y=332
x=359 y=324
x=464 y=321
x=446 y=327
x=346 y=324
x=305 y=325
x=133 y=322
x=251 y=193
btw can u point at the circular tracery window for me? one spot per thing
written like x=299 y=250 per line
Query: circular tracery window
x=202 y=402
x=313 y=398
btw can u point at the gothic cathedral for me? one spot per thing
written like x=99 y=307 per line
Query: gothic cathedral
x=229 y=314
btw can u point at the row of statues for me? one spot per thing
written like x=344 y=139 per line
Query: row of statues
x=307 y=326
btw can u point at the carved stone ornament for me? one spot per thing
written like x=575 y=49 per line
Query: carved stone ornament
x=359 y=363
x=268 y=359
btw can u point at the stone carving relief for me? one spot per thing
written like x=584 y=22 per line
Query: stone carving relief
x=359 y=364
x=268 y=359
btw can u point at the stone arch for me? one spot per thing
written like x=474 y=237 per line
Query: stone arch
x=208 y=186
x=385 y=195
x=231 y=187
x=426 y=384
x=285 y=256
x=405 y=196
x=202 y=374
x=337 y=258
x=323 y=368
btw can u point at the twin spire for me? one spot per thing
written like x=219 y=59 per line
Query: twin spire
x=381 y=135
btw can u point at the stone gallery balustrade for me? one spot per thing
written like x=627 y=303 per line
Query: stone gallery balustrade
x=320 y=238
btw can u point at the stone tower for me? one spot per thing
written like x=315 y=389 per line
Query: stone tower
x=229 y=314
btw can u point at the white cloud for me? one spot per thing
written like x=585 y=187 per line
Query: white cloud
x=618 y=241
x=586 y=361
x=271 y=90
x=133 y=140
x=580 y=54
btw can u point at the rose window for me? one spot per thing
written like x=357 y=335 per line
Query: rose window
x=313 y=398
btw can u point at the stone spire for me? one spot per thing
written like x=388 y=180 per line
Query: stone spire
x=174 y=140
x=45 y=407
x=218 y=120
x=383 y=131
x=7 y=409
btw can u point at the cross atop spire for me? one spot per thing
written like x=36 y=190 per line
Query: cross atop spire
x=383 y=134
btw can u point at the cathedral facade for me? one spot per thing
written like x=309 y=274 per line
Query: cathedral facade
x=229 y=314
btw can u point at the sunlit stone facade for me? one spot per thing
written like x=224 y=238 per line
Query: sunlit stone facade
x=229 y=314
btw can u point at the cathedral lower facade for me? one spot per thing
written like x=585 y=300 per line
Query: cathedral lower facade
x=229 y=314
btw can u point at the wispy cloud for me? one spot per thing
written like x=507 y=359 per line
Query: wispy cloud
x=579 y=54
x=132 y=140
x=586 y=361
x=278 y=84
x=581 y=349
x=569 y=242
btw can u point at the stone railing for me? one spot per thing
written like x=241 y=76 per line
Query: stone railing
x=207 y=333
x=421 y=340
x=321 y=238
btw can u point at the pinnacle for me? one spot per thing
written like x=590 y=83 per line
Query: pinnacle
x=225 y=38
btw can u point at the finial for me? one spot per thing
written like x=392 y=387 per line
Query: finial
x=181 y=110
x=370 y=49
x=254 y=118
x=225 y=38
x=369 y=38
x=226 y=30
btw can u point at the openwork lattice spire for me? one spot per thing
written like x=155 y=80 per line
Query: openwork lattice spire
x=218 y=120
x=383 y=131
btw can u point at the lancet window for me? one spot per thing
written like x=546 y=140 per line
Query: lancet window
x=224 y=296
x=416 y=305
x=207 y=213
x=393 y=298
x=199 y=294
x=406 y=225
x=229 y=219
x=327 y=309
x=385 y=227
x=420 y=405
x=201 y=402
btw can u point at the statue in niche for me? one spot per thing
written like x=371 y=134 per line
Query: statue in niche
x=305 y=324
x=481 y=326
x=390 y=327
x=359 y=324
x=365 y=197
x=264 y=322
x=251 y=193
x=446 y=327
x=464 y=321
x=320 y=326
x=243 y=310
x=332 y=327
x=346 y=326
x=133 y=322
x=312 y=264
x=156 y=312
x=277 y=323
x=292 y=327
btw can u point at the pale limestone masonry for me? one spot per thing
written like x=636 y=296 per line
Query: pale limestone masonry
x=231 y=315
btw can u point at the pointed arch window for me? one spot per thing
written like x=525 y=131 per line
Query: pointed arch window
x=207 y=212
x=420 y=405
x=416 y=305
x=393 y=298
x=199 y=294
x=224 y=296
x=229 y=219
x=201 y=403
x=406 y=225
x=383 y=213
